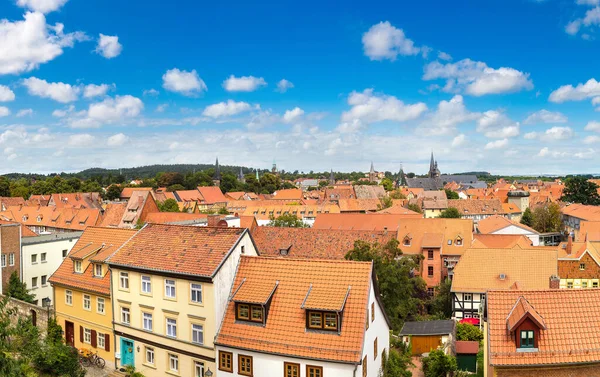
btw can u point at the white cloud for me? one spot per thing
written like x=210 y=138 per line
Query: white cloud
x=24 y=45
x=531 y=135
x=117 y=140
x=6 y=95
x=184 y=82
x=42 y=6
x=557 y=133
x=81 y=140
x=4 y=111
x=243 y=84
x=24 y=112
x=60 y=113
x=161 y=108
x=151 y=92
x=384 y=41
x=582 y=91
x=448 y=115
x=459 y=141
x=543 y=152
x=223 y=109
x=573 y=27
x=262 y=119
x=496 y=124
x=369 y=107
x=593 y=126
x=444 y=56
x=476 y=78
x=497 y=144
x=109 y=46
x=57 y=91
x=114 y=110
x=587 y=154
x=93 y=90
x=591 y=18
x=588 y=2
x=293 y=115
x=592 y=139
x=545 y=116
x=283 y=85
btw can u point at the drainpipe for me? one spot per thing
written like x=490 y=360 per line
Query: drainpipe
x=113 y=318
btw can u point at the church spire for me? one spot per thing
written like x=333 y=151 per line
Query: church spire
x=241 y=177
x=331 y=178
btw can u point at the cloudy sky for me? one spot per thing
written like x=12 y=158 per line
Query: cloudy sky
x=507 y=86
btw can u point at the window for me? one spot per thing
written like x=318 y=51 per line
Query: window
x=594 y=284
x=147 y=321
x=429 y=254
x=69 y=297
x=87 y=336
x=582 y=266
x=173 y=362
x=43 y=257
x=3 y=260
x=368 y=318
x=569 y=284
x=33 y=258
x=172 y=327
x=257 y=314
x=449 y=242
x=375 y=349
x=196 y=293
x=245 y=365
x=149 y=355
x=243 y=249
x=430 y=291
x=315 y=320
x=87 y=302
x=406 y=241
x=77 y=266
x=291 y=370
x=430 y=270
x=372 y=311
x=197 y=334
x=331 y=321
x=170 y=288
x=11 y=259
x=584 y=284
x=125 y=315
x=64 y=253
x=100 y=305
x=198 y=369
x=458 y=242
x=364 y=366
x=243 y=312
x=467 y=297
x=313 y=371
x=526 y=339
x=100 y=340
x=34 y=282
x=146 y=284
x=98 y=270
x=225 y=361
x=124 y=280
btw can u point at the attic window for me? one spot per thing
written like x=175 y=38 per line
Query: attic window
x=458 y=241
x=25 y=217
x=248 y=312
x=449 y=242
x=406 y=241
x=321 y=320
x=527 y=339
x=39 y=218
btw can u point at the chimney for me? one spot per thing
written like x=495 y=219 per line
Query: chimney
x=213 y=220
x=569 y=245
x=554 y=282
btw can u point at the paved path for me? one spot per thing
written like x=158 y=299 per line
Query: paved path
x=417 y=370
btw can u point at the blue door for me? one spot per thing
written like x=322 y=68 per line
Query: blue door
x=126 y=352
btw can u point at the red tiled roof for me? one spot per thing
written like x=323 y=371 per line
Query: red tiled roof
x=522 y=310
x=127 y=191
x=288 y=194
x=358 y=221
x=212 y=195
x=113 y=213
x=495 y=223
x=572 y=331
x=173 y=217
x=285 y=330
x=465 y=347
x=188 y=250
x=449 y=229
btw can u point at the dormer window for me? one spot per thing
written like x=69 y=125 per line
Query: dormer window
x=77 y=266
x=98 y=270
x=525 y=323
x=527 y=339
x=318 y=320
x=458 y=241
x=25 y=218
x=406 y=241
x=252 y=301
x=39 y=219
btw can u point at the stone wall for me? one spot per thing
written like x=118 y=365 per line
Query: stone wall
x=25 y=309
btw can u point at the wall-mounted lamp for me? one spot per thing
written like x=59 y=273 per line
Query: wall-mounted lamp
x=208 y=373
x=138 y=349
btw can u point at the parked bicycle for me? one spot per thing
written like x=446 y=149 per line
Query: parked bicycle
x=87 y=358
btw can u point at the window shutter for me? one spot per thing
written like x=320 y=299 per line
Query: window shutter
x=107 y=342
x=81 y=334
x=94 y=339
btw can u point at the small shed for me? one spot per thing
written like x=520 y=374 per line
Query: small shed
x=466 y=355
x=426 y=336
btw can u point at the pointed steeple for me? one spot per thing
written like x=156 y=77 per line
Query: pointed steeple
x=257 y=174
x=431 y=163
x=331 y=178
x=241 y=177
x=217 y=176
x=401 y=179
x=372 y=168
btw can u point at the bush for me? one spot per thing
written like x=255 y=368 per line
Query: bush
x=396 y=364
x=465 y=331
x=438 y=364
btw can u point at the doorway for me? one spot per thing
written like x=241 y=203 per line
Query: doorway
x=70 y=333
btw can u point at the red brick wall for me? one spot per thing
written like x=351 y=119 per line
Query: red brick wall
x=527 y=325
x=10 y=240
x=436 y=263
x=571 y=371
x=570 y=269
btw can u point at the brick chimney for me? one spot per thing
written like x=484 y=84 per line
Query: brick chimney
x=554 y=282
x=569 y=248
x=215 y=220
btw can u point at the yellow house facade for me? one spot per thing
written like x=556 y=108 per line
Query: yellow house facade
x=82 y=291
x=170 y=286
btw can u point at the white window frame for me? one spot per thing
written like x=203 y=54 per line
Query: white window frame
x=11 y=259
x=125 y=314
x=34 y=282
x=198 y=333
x=146 y=284
x=170 y=288
x=196 y=288
x=43 y=258
x=124 y=280
x=150 y=352
x=173 y=363
x=171 y=327
x=77 y=265
x=34 y=259
x=96 y=267
x=87 y=302
x=44 y=280
x=87 y=335
x=3 y=258
x=100 y=340
x=69 y=297
x=98 y=301
x=147 y=318
x=198 y=369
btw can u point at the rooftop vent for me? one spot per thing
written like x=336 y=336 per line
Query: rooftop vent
x=502 y=276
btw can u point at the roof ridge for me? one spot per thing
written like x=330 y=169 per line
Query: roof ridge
x=286 y=259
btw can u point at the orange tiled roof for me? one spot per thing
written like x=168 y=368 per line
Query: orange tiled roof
x=127 y=191
x=25 y=231
x=495 y=223
x=173 y=217
x=236 y=195
x=340 y=193
x=580 y=211
x=11 y=201
x=255 y=291
x=450 y=229
x=522 y=310
x=285 y=330
x=362 y=205
x=113 y=213
x=401 y=210
x=301 y=211
x=76 y=200
x=510 y=208
x=359 y=221
x=248 y=222
x=369 y=192
x=212 y=195
x=588 y=228
x=189 y=196
x=288 y=194
x=501 y=241
x=189 y=250
x=104 y=241
x=53 y=217
x=476 y=206
x=572 y=326
x=313 y=243
x=481 y=269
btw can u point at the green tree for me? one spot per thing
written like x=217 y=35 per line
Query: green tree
x=396 y=194
x=386 y=202
x=415 y=208
x=580 y=190
x=223 y=211
x=401 y=292
x=113 y=192
x=323 y=183
x=547 y=218
x=451 y=194
x=91 y=186
x=287 y=220
x=396 y=364
x=527 y=218
x=176 y=187
x=466 y=331
x=441 y=304
x=169 y=205
x=438 y=364
x=450 y=213
x=4 y=186
x=17 y=289
x=229 y=183
x=388 y=184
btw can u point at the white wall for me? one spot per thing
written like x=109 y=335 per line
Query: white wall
x=512 y=229
x=54 y=250
x=377 y=329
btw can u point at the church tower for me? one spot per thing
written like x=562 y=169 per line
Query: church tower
x=434 y=172
x=401 y=178
x=331 y=178
x=241 y=177
x=217 y=176
x=372 y=174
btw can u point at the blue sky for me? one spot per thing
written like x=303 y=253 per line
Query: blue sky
x=504 y=86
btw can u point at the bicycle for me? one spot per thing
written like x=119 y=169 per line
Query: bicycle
x=87 y=358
